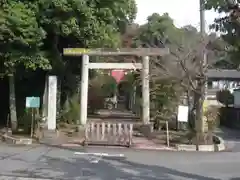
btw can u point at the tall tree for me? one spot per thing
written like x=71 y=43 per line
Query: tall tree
x=228 y=25
x=82 y=23
x=20 y=44
x=181 y=67
x=30 y=27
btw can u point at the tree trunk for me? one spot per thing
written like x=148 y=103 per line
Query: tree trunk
x=12 y=103
x=199 y=121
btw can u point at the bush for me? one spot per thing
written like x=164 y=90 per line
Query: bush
x=100 y=87
x=71 y=110
x=212 y=116
x=164 y=99
x=108 y=86
x=95 y=99
x=225 y=97
x=24 y=122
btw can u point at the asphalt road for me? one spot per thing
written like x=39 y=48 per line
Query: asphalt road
x=41 y=162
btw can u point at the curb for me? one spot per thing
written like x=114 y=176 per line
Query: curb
x=18 y=141
x=203 y=148
x=163 y=148
x=135 y=147
x=221 y=146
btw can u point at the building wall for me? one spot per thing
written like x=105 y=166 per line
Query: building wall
x=223 y=84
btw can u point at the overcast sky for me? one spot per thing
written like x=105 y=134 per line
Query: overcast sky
x=184 y=12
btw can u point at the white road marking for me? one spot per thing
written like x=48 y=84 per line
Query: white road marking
x=99 y=154
x=94 y=161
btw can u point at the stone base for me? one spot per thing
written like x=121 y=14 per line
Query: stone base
x=50 y=133
x=146 y=129
x=49 y=136
x=203 y=148
x=16 y=140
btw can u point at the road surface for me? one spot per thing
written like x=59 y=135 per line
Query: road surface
x=41 y=162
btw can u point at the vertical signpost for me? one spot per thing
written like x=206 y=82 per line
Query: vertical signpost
x=32 y=103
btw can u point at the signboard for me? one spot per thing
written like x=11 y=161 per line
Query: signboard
x=32 y=102
x=117 y=52
x=75 y=51
x=182 y=113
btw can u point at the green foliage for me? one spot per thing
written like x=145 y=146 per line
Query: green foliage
x=228 y=25
x=212 y=115
x=164 y=100
x=90 y=23
x=24 y=122
x=101 y=87
x=225 y=97
x=33 y=33
x=71 y=110
x=156 y=32
x=26 y=119
x=109 y=86
x=95 y=96
x=20 y=37
x=160 y=32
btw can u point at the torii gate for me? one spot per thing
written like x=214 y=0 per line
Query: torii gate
x=86 y=65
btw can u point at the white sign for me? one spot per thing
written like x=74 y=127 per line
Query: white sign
x=52 y=102
x=182 y=113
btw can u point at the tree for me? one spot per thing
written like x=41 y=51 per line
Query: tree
x=228 y=25
x=29 y=28
x=160 y=31
x=181 y=66
x=83 y=23
x=20 y=44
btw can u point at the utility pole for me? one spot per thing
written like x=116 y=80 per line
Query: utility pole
x=204 y=52
x=202 y=83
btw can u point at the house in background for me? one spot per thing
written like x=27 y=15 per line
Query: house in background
x=221 y=79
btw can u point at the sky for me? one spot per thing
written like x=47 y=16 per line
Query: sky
x=183 y=12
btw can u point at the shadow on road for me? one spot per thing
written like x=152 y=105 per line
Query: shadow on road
x=228 y=134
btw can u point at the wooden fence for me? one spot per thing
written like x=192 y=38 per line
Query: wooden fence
x=107 y=133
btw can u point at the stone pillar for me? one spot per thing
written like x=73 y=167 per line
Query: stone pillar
x=52 y=103
x=84 y=90
x=145 y=91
